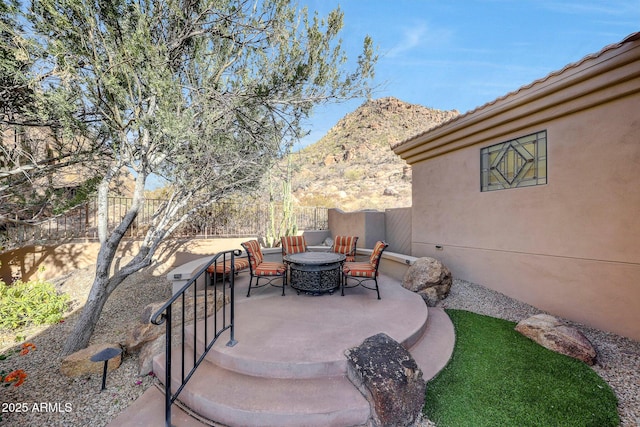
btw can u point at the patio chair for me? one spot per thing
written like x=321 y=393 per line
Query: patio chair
x=345 y=245
x=293 y=245
x=223 y=269
x=362 y=272
x=260 y=269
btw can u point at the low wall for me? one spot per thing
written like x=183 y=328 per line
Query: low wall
x=392 y=264
x=58 y=260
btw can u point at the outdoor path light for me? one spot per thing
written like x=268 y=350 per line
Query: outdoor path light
x=104 y=356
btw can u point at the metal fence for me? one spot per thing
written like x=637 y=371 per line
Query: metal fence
x=224 y=219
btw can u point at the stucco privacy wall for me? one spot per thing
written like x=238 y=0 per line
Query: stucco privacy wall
x=368 y=225
x=570 y=247
x=393 y=226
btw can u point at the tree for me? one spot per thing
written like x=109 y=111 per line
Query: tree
x=36 y=142
x=204 y=93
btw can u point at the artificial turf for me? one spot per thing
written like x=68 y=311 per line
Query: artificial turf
x=498 y=377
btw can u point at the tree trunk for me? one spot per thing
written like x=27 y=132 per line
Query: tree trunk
x=102 y=287
x=104 y=284
x=88 y=319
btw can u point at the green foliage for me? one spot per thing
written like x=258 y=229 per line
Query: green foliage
x=206 y=94
x=498 y=377
x=16 y=97
x=82 y=194
x=354 y=174
x=30 y=304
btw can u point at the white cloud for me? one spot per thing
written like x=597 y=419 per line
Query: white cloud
x=416 y=37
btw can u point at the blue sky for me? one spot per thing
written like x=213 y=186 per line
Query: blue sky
x=455 y=54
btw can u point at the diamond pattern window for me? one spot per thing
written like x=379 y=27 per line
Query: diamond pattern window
x=521 y=162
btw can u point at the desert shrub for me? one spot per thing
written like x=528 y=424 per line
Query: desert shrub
x=31 y=303
x=354 y=174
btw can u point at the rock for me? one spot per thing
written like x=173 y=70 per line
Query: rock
x=430 y=279
x=389 y=378
x=145 y=331
x=149 y=311
x=149 y=339
x=148 y=352
x=141 y=334
x=79 y=363
x=406 y=173
x=390 y=192
x=551 y=333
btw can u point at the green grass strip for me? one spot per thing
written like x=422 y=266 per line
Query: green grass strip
x=498 y=377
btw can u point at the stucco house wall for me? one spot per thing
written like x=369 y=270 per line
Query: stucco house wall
x=570 y=247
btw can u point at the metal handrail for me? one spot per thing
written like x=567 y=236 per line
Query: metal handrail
x=189 y=290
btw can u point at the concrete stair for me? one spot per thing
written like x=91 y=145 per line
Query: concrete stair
x=288 y=367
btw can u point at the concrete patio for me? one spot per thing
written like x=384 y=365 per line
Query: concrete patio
x=288 y=367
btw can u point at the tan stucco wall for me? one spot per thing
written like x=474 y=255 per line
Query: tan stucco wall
x=62 y=259
x=571 y=247
x=368 y=225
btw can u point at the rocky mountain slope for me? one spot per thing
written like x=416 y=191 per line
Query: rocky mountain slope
x=352 y=167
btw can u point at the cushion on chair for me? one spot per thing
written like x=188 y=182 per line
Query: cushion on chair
x=270 y=269
x=346 y=245
x=359 y=269
x=377 y=253
x=225 y=267
x=254 y=253
x=293 y=244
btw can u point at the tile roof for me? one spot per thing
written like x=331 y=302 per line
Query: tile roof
x=630 y=38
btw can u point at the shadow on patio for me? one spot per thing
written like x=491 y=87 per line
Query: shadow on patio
x=288 y=367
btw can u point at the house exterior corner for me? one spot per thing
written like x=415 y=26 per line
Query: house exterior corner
x=567 y=242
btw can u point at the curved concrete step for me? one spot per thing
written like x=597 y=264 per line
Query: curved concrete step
x=235 y=399
x=148 y=410
x=302 y=336
x=433 y=351
x=288 y=367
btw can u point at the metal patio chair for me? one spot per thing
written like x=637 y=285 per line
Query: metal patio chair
x=345 y=245
x=361 y=272
x=293 y=245
x=260 y=269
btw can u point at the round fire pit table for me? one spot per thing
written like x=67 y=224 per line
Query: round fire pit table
x=315 y=272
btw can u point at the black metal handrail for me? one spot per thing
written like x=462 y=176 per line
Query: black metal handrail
x=223 y=272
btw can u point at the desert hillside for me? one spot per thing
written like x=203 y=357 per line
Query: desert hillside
x=352 y=167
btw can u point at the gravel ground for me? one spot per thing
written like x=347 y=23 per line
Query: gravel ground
x=48 y=398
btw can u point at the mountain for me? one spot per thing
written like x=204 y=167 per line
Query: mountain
x=353 y=167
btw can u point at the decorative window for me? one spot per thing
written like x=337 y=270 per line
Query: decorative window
x=521 y=162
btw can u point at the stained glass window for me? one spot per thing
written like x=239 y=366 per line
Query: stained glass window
x=521 y=162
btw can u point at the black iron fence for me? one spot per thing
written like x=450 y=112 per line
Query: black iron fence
x=223 y=219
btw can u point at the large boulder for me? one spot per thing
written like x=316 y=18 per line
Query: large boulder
x=79 y=363
x=429 y=278
x=148 y=339
x=144 y=331
x=551 y=333
x=389 y=378
x=148 y=352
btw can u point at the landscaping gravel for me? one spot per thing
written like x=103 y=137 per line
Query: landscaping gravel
x=48 y=398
